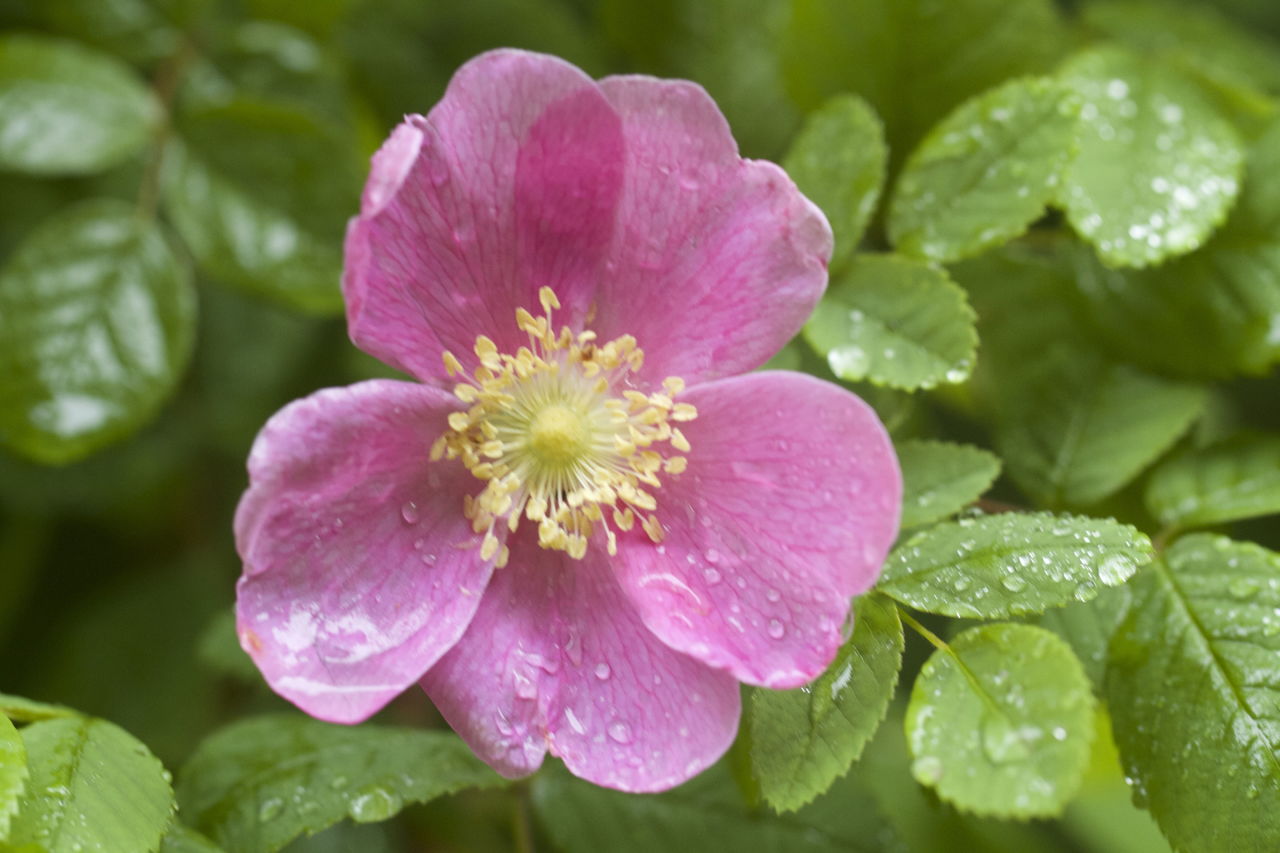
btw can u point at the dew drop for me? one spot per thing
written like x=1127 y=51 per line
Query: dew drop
x=1013 y=583
x=374 y=804
x=1244 y=587
x=776 y=629
x=1116 y=569
x=409 y=512
x=620 y=732
x=712 y=555
x=270 y=809
x=1002 y=742
x=712 y=575
x=602 y=671
x=927 y=769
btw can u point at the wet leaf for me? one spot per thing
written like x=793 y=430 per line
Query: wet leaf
x=1198 y=34
x=940 y=479
x=1215 y=312
x=184 y=839
x=1012 y=564
x=13 y=773
x=803 y=740
x=1192 y=687
x=1230 y=481
x=1001 y=722
x=985 y=172
x=1157 y=169
x=838 y=160
x=97 y=320
x=66 y=109
x=93 y=787
x=262 y=782
x=706 y=813
x=895 y=321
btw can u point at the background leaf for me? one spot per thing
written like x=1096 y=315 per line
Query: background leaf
x=262 y=782
x=262 y=196
x=1011 y=564
x=1227 y=482
x=93 y=787
x=1087 y=427
x=838 y=160
x=914 y=60
x=66 y=109
x=940 y=479
x=1001 y=723
x=894 y=321
x=1192 y=687
x=1157 y=169
x=97 y=317
x=705 y=813
x=802 y=740
x=985 y=172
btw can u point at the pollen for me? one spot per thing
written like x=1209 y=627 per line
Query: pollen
x=562 y=436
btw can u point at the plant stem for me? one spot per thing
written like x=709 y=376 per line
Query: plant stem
x=166 y=89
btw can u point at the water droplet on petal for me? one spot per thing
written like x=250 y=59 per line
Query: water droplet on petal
x=602 y=671
x=409 y=512
x=776 y=629
x=620 y=732
x=712 y=576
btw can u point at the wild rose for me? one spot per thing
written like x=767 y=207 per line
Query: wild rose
x=584 y=525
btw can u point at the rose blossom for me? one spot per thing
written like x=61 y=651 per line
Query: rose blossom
x=585 y=524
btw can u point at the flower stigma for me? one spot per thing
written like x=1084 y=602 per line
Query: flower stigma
x=562 y=437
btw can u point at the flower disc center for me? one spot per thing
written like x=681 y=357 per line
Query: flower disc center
x=558 y=436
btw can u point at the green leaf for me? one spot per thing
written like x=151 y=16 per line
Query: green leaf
x=1001 y=721
x=93 y=787
x=986 y=172
x=940 y=479
x=184 y=839
x=803 y=740
x=13 y=773
x=1089 y=427
x=65 y=109
x=262 y=782
x=24 y=710
x=1089 y=625
x=97 y=320
x=1012 y=564
x=1193 y=689
x=1157 y=169
x=136 y=30
x=838 y=160
x=1230 y=481
x=261 y=195
x=706 y=813
x=1215 y=312
x=1195 y=33
x=895 y=321
x=914 y=60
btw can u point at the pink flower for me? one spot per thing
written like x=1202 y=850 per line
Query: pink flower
x=571 y=549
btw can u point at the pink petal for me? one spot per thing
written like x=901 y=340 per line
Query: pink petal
x=788 y=507
x=354 y=580
x=557 y=658
x=508 y=185
x=717 y=261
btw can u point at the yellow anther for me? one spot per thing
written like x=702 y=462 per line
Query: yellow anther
x=452 y=366
x=458 y=421
x=547 y=297
x=679 y=442
x=653 y=528
x=683 y=412
x=673 y=384
x=489 y=546
x=675 y=465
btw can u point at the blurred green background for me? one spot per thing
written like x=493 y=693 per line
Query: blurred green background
x=117 y=567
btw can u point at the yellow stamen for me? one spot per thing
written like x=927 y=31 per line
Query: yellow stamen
x=555 y=443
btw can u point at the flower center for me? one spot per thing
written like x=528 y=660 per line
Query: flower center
x=562 y=437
